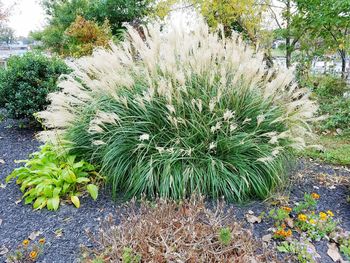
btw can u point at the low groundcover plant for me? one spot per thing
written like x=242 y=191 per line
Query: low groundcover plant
x=51 y=175
x=181 y=112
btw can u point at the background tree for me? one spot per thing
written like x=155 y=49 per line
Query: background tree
x=245 y=17
x=4 y=12
x=329 y=21
x=83 y=35
x=63 y=13
x=7 y=34
x=290 y=25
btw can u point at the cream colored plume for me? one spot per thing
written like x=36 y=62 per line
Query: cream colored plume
x=165 y=62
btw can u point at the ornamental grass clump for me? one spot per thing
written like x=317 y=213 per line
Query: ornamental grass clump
x=177 y=112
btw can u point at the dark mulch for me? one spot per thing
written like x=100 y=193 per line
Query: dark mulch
x=18 y=221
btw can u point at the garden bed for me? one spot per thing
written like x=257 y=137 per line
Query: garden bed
x=64 y=230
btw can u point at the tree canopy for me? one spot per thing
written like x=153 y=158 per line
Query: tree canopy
x=329 y=23
x=63 y=14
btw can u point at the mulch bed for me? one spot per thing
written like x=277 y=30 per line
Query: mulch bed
x=64 y=230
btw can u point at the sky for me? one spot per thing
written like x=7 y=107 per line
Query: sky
x=26 y=16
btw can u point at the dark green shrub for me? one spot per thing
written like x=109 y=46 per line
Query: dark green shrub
x=328 y=85
x=338 y=111
x=329 y=91
x=24 y=85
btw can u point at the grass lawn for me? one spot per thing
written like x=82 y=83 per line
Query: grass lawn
x=337 y=150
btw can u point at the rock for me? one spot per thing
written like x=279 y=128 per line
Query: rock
x=267 y=238
x=333 y=252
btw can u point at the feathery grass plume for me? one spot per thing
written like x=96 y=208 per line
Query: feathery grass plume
x=178 y=112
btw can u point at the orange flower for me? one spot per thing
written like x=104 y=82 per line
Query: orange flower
x=281 y=233
x=302 y=217
x=315 y=196
x=287 y=209
x=42 y=241
x=288 y=233
x=323 y=216
x=33 y=254
x=330 y=213
x=25 y=242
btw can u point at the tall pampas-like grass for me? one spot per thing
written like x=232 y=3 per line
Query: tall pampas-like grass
x=179 y=112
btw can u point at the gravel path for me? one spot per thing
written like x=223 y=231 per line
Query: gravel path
x=64 y=229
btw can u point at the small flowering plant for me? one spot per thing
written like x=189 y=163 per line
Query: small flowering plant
x=301 y=250
x=281 y=216
x=310 y=202
x=302 y=219
x=27 y=251
x=316 y=226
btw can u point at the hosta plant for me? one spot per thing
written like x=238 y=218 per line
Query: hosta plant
x=177 y=112
x=51 y=175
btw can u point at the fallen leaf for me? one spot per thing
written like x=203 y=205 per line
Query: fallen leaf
x=252 y=219
x=34 y=235
x=316 y=187
x=3 y=186
x=2 y=161
x=333 y=252
x=332 y=187
x=59 y=232
x=267 y=238
x=250 y=212
x=3 y=250
x=289 y=222
x=18 y=201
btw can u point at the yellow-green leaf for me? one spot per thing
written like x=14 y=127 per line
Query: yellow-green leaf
x=75 y=200
x=40 y=202
x=53 y=203
x=93 y=191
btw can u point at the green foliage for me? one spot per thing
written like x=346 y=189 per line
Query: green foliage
x=309 y=202
x=163 y=126
x=338 y=111
x=51 y=175
x=244 y=17
x=225 y=236
x=329 y=92
x=118 y=12
x=345 y=248
x=328 y=21
x=299 y=249
x=327 y=86
x=161 y=165
x=129 y=256
x=62 y=14
x=25 y=83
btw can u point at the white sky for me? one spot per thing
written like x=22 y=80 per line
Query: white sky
x=26 y=16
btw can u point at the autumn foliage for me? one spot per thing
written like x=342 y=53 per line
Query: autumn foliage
x=84 y=35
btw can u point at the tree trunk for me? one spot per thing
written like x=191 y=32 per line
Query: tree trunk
x=288 y=53
x=343 y=63
x=288 y=46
